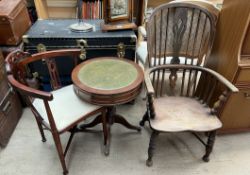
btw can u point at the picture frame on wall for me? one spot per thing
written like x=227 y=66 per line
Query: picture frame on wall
x=118 y=15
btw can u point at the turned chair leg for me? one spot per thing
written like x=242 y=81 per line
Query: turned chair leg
x=151 y=148
x=40 y=127
x=144 y=119
x=209 y=146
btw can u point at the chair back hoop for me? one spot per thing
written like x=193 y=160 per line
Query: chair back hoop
x=18 y=63
x=181 y=33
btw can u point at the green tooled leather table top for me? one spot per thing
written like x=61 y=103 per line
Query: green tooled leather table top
x=107 y=74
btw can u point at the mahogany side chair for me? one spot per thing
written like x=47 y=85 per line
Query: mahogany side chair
x=58 y=111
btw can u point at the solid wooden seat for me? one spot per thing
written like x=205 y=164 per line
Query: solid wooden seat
x=174 y=114
x=66 y=107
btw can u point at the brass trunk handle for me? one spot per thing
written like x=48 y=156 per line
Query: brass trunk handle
x=82 y=44
x=121 y=50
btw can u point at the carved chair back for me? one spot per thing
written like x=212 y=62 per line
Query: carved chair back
x=181 y=32
x=19 y=64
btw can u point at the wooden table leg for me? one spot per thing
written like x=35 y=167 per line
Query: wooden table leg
x=111 y=118
x=95 y=122
x=121 y=120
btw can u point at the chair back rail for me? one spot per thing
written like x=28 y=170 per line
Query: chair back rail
x=181 y=29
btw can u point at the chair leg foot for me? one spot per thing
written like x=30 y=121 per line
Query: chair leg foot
x=205 y=158
x=149 y=162
x=144 y=119
x=106 y=150
x=209 y=146
x=40 y=127
x=65 y=172
x=151 y=148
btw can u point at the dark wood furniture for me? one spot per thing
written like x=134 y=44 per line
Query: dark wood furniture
x=14 y=21
x=58 y=111
x=230 y=57
x=119 y=22
x=10 y=107
x=56 y=34
x=108 y=81
x=183 y=104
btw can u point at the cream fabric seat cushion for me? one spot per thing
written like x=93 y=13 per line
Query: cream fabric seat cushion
x=142 y=53
x=175 y=114
x=66 y=107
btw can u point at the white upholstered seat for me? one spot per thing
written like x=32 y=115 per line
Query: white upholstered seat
x=182 y=114
x=66 y=107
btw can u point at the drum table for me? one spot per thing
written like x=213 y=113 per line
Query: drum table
x=108 y=81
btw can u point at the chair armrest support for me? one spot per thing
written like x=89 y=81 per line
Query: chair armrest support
x=219 y=77
x=149 y=86
x=28 y=90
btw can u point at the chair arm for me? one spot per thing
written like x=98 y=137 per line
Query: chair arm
x=149 y=86
x=219 y=77
x=222 y=79
x=28 y=90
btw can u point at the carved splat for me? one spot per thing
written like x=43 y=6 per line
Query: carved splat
x=179 y=28
x=53 y=72
x=173 y=78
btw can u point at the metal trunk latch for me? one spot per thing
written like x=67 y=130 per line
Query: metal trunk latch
x=41 y=48
x=82 y=44
x=121 y=50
